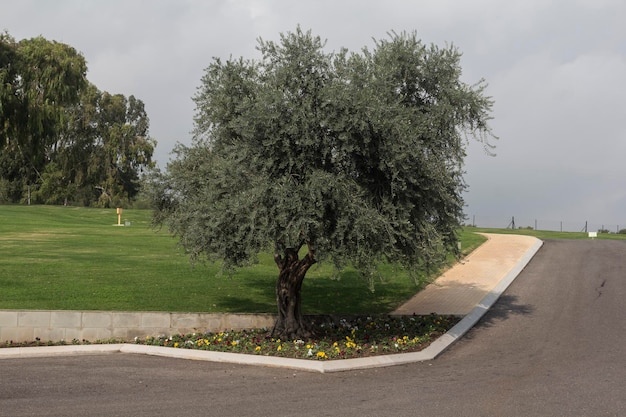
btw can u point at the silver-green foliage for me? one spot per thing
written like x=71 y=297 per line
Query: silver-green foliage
x=355 y=156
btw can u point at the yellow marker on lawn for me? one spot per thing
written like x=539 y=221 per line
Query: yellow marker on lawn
x=119 y=216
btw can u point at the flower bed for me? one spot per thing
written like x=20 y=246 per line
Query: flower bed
x=340 y=338
x=335 y=338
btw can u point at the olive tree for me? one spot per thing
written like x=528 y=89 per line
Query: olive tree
x=347 y=158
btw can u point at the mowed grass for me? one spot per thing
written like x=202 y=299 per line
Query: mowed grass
x=70 y=258
x=547 y=234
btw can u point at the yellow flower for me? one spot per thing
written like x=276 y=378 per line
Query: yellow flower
x=257 y=348
x=279 y=348
x=335 y=344
x=175 y=344
x=321 y=355
x=308 y=346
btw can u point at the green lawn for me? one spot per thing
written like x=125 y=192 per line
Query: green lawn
x=71 y=258
x=546 y=234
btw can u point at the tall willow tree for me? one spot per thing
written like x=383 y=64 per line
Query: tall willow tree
x=60 y=136
x=40 y=79
x=349 y=158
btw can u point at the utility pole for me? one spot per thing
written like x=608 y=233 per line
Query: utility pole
x=512 y=224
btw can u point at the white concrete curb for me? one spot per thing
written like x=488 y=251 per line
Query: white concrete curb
x=66 y=350
x=431 y=352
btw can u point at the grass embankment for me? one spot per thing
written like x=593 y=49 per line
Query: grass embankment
x=69 y=258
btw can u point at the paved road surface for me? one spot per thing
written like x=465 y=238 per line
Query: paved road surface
x=554 y=345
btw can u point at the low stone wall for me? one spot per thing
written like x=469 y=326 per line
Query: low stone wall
x=57 y=325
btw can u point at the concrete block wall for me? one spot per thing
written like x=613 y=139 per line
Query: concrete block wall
x=57 y=325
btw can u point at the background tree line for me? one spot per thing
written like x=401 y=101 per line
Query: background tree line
x=63 y=141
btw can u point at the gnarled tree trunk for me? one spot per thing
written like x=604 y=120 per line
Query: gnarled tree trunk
x=290 y=325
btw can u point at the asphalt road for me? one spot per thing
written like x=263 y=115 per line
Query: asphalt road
x=553 y=345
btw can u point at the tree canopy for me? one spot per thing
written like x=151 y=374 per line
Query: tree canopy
x=60 y=135
x=348 y=158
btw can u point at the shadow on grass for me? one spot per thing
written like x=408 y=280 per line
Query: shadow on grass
x=352 y=295
x=237 y=304
x=322 y=295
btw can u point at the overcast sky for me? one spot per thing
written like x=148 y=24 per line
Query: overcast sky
x=556 y=70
